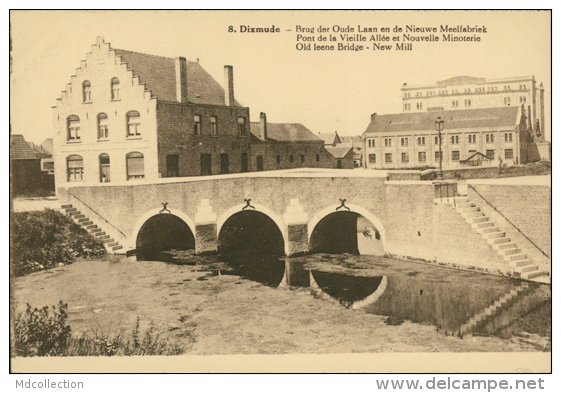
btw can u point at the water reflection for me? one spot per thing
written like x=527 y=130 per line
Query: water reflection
x=455 y=302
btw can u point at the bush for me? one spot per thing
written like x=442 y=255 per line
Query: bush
x=38 y=333
x=43 y=239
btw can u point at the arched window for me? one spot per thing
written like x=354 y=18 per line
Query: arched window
x=104 y=173
x=86 y=91
x=75 y=168
x=102 y=126
x=133 y=123
x=73 y=128
x=115 y=89
x=135 y=166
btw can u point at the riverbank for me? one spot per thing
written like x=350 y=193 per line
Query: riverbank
x=233 y=315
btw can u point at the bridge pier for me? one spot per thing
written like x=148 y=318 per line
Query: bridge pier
x=206 y=236
x=296 y=221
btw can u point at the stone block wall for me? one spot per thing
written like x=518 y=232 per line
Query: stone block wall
x=527 y=207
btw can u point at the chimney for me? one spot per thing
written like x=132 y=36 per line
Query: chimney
x=181 y=79
x=372 y=116
x=263 y=126
x=229 y=82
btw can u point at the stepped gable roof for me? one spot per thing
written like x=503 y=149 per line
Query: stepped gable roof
x=20 y=149
x=157 y=73
x=286 y=132
x=339 y=151
x=507 y=116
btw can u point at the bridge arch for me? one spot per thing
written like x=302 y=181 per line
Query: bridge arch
x=258 y=208
x=154 y=212
x=355 y=209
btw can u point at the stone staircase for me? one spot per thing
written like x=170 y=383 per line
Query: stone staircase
x=498 y=240
x=504 y=301
x=110 y=244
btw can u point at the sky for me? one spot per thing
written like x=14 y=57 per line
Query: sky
x=326 y=91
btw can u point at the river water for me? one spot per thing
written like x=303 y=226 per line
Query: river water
x=455 y=302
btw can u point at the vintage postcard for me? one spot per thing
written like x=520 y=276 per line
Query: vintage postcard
x=280 y=191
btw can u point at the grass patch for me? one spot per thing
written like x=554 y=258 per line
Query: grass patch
x=43 y=239
x=44 y=332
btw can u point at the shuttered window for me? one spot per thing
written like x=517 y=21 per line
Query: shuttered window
x=135 y=166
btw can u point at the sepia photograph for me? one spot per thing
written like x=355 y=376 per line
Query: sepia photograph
x=280 y=191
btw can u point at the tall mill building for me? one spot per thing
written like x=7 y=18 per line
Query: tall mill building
x=133 y=117
x=466 y=92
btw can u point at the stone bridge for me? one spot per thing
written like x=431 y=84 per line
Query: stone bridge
x=303 y=207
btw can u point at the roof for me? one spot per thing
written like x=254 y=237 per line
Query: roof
x=286 y=132
x=476 y=154
x=353 y=140
x=507 y=116
x=47 y=145
x=338 y=151
x=20 y=149
x=158 y=75
x=330 y=138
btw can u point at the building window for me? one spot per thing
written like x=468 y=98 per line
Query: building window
x=135 y=166
x=224 y=164
x=372 y=158
x=241 y=126
x=404 y=141
x=455 y=139
x=86 y=91
x=133 y=123
x=115 y=89
x=421 y=140
x=472 y=138
x=437 y=156
x=213 y=125
x=278 y=159
x=206 y=165
x=302 y=158
x=339 y=164
x=291 y=158
x=172 y=165
x=75 y=168
x=317 y=157
x=245 y=166
x=104 y=173
x=508 y=137
x=197 y=124
x=507 y=100
x=259 y=163
x=73 y=128
x=422 y=156
x=388 y=157
x=419 y=105
x=404 y=157
x=102 y=126
x=467 y=103
x=436 y=140
x=490 y=138
x=388 y=142
x=490 y=154
x=407 y=107
x=372 y=143
x=509 y=154
x=455 y=155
